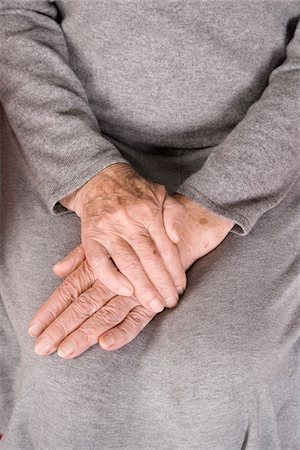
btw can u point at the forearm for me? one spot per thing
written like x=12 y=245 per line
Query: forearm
x=254 y=168
x=46 y=103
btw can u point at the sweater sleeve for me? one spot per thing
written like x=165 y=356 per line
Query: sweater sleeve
x=46 y=104
x=253 y=169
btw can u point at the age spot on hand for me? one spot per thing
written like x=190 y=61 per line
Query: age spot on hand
x=203 y=221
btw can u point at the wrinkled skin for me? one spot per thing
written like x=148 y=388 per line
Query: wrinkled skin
x=122 y=228
x=81 y=310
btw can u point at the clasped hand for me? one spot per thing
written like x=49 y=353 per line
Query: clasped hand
x=124 y=238
x=86 y=305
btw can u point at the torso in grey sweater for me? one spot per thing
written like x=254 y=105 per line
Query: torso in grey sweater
x=158 y=73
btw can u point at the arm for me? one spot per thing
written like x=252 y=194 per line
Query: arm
x=80 y=310
x=253 y=169
x=46 y=104
x=64 y=150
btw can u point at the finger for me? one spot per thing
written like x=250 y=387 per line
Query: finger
x=89 y=332
x=79 y=281
x=154 y=267
x=104 y=269
x=69 y=320
x=169 y=254
x=172 y=211
x=126 y=331
x=69 y=263
x=128 y=263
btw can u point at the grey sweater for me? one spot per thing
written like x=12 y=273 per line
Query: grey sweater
x=184 y=74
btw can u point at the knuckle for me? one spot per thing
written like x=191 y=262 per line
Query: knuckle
x=140 y=239
x=126 y=331
x=93 y=324
x=88 y=335
x=133 y=323
x=119 y=213
x=84 y=307
x=67 y=290
x=138 y=315
x=121 y=249
x=121 y=306
x=51 y=314
x=109 y=315
x=139 y=211
x=46 y=316
x=161 y=189
x=121 y=244
x=59 y=329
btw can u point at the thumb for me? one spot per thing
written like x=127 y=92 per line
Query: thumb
x=172 y=209
x=105 y=270
x=69 y=263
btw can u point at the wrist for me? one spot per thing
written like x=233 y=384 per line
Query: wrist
x=76 y=200
x=203 y=214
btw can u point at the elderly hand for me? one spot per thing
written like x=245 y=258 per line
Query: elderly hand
x=122 y=228
x=81 y=310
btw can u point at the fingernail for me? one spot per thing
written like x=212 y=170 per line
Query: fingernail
x=34 y=329
x=66 y=349
x=171 y=301
x=180 y=290
x=156 y=306
x=107 y=340
x=43 y=346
